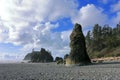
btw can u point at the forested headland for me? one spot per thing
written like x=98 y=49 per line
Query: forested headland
x=103 y=41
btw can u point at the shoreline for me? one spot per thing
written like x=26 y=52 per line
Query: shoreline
x=52 y=71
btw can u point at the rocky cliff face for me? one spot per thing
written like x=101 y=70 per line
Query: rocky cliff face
x=78 y=52
x=28 y=56
x=39 y=56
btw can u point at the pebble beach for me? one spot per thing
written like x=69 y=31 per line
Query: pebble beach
x=52 y=71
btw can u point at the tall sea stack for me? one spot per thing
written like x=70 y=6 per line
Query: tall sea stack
x=78 y=53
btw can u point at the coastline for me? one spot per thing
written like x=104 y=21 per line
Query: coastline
x=52 y=71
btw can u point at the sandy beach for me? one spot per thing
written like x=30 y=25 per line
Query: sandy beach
x=52 y=71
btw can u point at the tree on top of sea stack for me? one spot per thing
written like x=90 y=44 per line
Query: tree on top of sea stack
x=78 y=52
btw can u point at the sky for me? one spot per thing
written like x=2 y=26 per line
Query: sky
x=28 y=24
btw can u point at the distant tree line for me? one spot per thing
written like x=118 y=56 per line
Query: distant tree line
x=101 y=38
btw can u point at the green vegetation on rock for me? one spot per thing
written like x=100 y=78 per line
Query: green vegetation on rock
x=39 y=56
x=78 y=52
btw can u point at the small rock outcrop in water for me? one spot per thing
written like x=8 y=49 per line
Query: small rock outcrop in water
x=39 y=56
x=78 y=52
x=59 y=60
x=28 y=57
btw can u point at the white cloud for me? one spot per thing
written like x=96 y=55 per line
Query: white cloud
x=90 y=15
x=3 y=32
x=116 y=7
x=116 y=19
x=65 y=35
x=105 y=1
x=29 y=22
x=36 y=10
x=11 y=56
x=56 y=42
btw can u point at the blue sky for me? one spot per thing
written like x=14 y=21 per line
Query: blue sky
x=28 y=24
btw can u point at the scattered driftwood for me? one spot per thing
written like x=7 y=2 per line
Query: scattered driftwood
x=101 y=60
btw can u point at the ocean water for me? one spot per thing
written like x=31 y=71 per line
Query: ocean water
x=10 y=61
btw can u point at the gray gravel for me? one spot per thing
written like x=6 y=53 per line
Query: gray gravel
x=52 y=71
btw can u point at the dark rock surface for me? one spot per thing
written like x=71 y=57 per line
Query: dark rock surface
x=39 y=56
x=28 y=56
x=78 y=52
